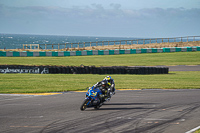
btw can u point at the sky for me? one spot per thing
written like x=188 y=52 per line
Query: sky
x=103 y=18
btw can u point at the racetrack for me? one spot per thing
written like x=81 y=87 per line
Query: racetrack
x=159 y=111
x=134 y=111
x=184 y=68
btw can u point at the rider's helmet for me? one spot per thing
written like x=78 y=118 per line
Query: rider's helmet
x=104 y=84
x=107 y=78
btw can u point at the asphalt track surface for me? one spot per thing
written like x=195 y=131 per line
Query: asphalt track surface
x=184 y=68
x=134 y=111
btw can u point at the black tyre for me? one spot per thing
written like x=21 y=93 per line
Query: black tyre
x=97 y=107
x=84 y=105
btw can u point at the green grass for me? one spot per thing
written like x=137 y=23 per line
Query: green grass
x=148 y=59
x=33 y=83
x=197 y=131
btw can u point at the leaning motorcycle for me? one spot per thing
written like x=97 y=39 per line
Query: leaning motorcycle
x=93 y=98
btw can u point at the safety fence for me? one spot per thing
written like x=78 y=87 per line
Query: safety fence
x=97 y=52
x=82 y=69
x=107 y=43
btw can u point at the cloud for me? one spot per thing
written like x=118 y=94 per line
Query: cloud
x=113 y=21
x=115 y=6
x=94 y=11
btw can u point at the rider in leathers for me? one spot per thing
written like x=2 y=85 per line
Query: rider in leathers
x=111 y=84
x=106 y=84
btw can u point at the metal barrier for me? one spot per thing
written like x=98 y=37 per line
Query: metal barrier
x=107 y=43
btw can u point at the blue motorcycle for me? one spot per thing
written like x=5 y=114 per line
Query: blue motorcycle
x=93 y=98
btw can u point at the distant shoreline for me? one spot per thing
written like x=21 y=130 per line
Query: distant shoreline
x=112 y=47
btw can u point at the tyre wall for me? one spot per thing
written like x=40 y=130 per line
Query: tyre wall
x=82 y=69
x=96 y=52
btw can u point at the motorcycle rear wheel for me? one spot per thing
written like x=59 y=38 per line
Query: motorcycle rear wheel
x=97 y=107
x=84 y=105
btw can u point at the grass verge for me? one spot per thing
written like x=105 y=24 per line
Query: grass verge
x=38 y=83
x=148 y=59
x=197 y=131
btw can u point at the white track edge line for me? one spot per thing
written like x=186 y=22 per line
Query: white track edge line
x=194 y=129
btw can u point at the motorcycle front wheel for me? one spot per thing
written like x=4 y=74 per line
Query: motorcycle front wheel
x=84 y=105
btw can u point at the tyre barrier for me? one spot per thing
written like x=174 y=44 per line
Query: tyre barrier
x=82 y=69
x=97 y=52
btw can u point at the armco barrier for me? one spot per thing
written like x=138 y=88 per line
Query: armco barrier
x=82 y=69
x=97 y=52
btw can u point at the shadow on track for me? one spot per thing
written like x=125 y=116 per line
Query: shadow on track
x=128 y=108
x=129 y=104
x=124 y=106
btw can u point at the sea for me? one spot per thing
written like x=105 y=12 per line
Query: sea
x=16 y=41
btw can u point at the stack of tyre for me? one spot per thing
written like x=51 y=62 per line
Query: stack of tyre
x=92 y=69
x=107 y=70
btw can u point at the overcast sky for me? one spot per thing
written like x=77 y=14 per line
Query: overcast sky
x=106 y=18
